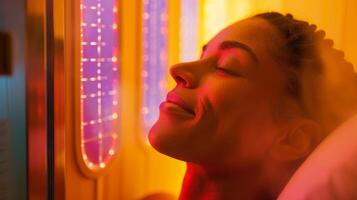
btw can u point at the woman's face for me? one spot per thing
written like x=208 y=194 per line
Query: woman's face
x=221 y=110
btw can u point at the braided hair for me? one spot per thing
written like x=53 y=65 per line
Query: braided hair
x=322 y=82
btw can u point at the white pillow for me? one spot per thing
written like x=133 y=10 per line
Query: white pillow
x=330 y=172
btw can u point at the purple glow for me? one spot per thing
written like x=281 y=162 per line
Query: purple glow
x=189 y=30
x=155 y=63
x=99 y=81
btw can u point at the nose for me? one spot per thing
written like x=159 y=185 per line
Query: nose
x=184 y=75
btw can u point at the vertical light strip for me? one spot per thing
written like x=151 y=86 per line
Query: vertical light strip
x=213 y=19
x=155 y=59
x=99 y=81
x=218 y=14
x=189 y=30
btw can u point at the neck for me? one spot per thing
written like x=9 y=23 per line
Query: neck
x=201 y=184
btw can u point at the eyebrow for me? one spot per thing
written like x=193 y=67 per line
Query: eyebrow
x=229 y=44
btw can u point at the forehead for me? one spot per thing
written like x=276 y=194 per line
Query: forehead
x=256 y=33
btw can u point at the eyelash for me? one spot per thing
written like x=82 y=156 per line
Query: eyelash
x=222 y=69
x=227 y=71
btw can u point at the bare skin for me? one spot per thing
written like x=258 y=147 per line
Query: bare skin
x=220 y=118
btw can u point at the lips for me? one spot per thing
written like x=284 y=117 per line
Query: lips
x=174 y=99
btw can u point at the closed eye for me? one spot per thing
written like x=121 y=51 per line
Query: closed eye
x=227 y=71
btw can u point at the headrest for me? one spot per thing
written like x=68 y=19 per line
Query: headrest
x=330 y=172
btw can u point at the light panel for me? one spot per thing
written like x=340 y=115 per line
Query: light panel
x=189 y=24
x=229 y=11
x=155 y=59
x=99 y=82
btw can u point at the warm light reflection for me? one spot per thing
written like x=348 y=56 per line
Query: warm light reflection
x=230 y=11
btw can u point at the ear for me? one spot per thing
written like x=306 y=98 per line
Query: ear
x=298 y=141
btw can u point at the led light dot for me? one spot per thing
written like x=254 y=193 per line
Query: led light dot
x=111 y=152
x=114 y=59
x=102 y=165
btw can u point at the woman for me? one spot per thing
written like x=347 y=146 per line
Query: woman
x=252 y=108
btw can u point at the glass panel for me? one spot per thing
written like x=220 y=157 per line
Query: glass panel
x=99 y=81
x=155 y=61
x=189 y=30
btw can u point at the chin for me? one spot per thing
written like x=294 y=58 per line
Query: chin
x=170 y=142
x=154 y=137
x=165 y=139
x=179 y=141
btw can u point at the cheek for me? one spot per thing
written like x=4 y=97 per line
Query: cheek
x=231 y=97
x=272 y=80
x=236 y=104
